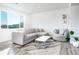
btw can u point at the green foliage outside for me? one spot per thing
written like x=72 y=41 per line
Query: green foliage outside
x=13 y=26
x=4 y=26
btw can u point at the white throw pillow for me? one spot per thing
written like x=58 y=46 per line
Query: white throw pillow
x=61 y=32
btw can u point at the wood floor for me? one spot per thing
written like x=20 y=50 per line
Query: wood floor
x=55 y=48
x=68 y=49
x=5 y=44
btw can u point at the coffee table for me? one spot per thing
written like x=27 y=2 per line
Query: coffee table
x=42 y=41
x=43 y=38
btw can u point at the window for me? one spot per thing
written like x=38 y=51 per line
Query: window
x=3 y=19
x=21 y=22
x=11 y=21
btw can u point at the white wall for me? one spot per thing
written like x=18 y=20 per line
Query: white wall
x=49 y=20
x=5 y=34
x=75 y=19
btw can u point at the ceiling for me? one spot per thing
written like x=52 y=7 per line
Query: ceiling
x=75 y=4
x=35 y=7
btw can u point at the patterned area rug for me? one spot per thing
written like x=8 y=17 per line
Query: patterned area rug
x=33 y=48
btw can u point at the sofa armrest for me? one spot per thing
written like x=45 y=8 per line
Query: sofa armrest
x=17 y=37
x=59 y=37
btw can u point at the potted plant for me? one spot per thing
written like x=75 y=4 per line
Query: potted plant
x=72 y=35
x=71 y=32
x=74 y=39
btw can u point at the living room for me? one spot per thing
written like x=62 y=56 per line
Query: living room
x=41 y=17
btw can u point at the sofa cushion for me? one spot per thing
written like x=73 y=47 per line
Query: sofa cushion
x=28 y=31
x=30 y=37
x=32 y=34
x=56 y=31
x=41 y=30
x=37 y=30
x=43 y=33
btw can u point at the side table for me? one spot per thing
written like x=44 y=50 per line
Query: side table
x=73 y=41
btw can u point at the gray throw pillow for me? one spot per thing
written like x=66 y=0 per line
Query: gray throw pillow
x=56 y=31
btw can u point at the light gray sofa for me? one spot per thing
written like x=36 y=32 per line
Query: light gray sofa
x=61 y=35
x=27 y=36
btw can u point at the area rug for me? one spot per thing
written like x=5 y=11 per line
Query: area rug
x=32 y=49
x=47 y=51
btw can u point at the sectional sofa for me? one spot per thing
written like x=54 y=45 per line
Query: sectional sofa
x=27 y=36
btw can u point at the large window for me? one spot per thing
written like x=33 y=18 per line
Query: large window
x=3 y=19
x=11 y=21
x=21 y=22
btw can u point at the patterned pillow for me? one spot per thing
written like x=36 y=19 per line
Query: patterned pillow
x=56 y=31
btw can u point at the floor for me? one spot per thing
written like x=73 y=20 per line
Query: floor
x=5 y=44
x=68 y=49
x=34 y=48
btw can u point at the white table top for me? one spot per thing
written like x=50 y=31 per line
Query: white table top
x=43 y=38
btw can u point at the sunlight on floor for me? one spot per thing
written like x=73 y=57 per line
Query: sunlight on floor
x=4 y=52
